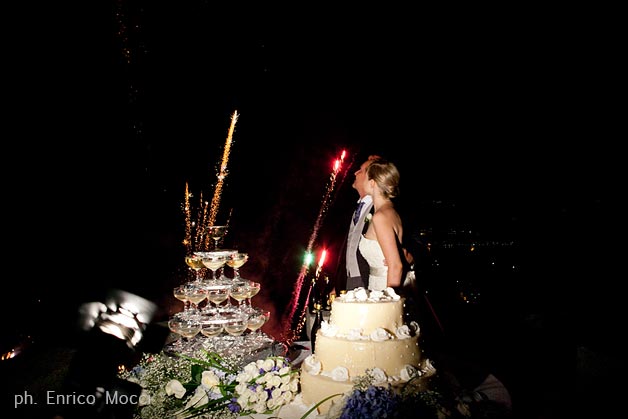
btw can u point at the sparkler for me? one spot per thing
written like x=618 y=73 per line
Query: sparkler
x=289 y=334
x=207 y=212
x=222 y=173
x=319 y=268
x=187 y=239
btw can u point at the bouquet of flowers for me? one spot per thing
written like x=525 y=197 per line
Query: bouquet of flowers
x=212 y=386
x=370 y=399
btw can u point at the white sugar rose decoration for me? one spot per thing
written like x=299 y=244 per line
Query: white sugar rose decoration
x=414 y=326
x=328 y=329
x=361 y=294
x=348 y=296
x=376 y=295
x=403 y=332
x=392 y=294
x=312 y=365
x=427 y=368
x=408 y=372
x=379 y=335
x=354 y=334
x=340 y=374
x=378 y=375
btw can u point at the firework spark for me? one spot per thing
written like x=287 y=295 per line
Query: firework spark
x=288 y=333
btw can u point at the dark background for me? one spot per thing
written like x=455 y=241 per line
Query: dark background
x=501 y=120
x=506 y=113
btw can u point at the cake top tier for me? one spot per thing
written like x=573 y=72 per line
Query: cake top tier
x=362 y=295
x=360 y=312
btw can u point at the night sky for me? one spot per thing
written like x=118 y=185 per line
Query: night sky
x=503 y=121
x=503 y=113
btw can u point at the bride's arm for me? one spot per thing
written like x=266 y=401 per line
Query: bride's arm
x=387 y=238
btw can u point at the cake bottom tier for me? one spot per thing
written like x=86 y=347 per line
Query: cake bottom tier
x=358 y=356
x=315 y=388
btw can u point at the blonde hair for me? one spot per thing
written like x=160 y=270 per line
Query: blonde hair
x=386 y=175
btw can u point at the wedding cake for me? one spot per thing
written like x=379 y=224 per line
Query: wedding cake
x=366 y=333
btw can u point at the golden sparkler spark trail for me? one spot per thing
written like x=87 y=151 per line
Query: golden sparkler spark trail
x=222 y=174
x=187 y=240
x=196 y=238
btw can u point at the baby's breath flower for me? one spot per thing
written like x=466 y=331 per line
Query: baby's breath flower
x=212 y=386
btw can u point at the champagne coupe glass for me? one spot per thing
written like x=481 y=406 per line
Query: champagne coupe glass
x=216 y=233
x=216 y=294
x=254 y=288
x=240 y=292
x=235 y=326
x=235 y=261
x=214 y=261
x=195 y=294
x=257 y=319
x=211 y=327
x=180 y=294
x=185 y=326
x=196 y=263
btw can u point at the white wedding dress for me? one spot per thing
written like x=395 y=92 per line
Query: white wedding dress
x=378 y=272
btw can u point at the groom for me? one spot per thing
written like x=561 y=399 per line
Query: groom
x=355 y=266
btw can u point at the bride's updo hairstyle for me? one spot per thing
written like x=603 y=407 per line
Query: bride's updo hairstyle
x=386 y=176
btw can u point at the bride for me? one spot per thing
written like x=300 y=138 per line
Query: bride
x=381 y=243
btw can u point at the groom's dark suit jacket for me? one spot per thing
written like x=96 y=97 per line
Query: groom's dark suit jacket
x=341 y=270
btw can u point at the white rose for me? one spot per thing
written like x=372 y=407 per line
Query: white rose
x=274 y=381
x=199 y=398
x=176 y=388
x=250 y=370
x=144 y=399
x=210 y=380
x=266 y=364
